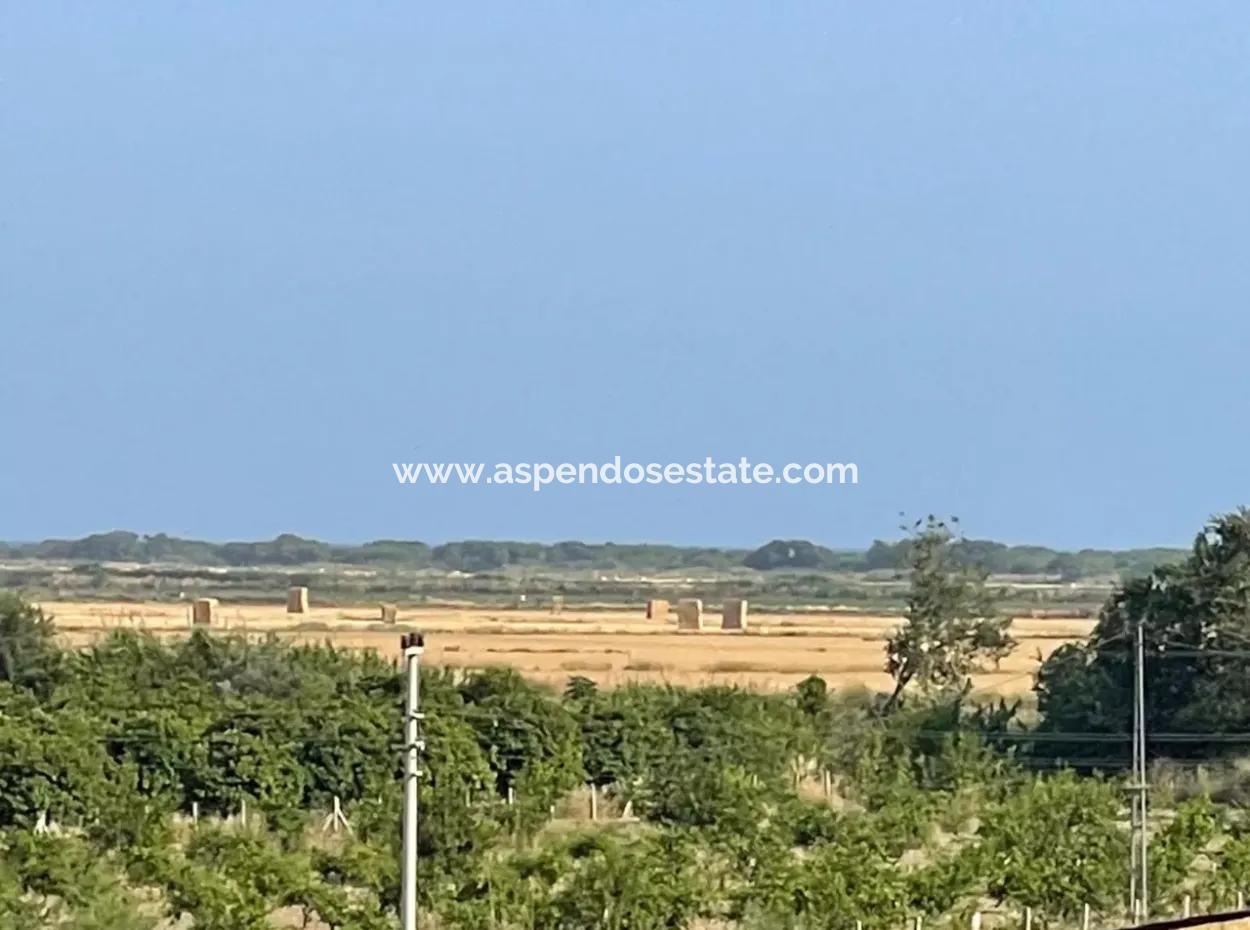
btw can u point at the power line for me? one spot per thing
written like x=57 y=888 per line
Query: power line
x=1055 y=736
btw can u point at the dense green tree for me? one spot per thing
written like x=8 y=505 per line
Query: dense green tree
x=851 y=880
x=812 y=696
x=1195 y=619
x=623 y=733
x=646 y=884
x=530 y=741
x=28 y=657
x=53 y=764
x=1055 y=845
x=61 y=881
x=789 y=553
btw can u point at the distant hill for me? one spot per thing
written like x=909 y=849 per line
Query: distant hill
x=490 y=555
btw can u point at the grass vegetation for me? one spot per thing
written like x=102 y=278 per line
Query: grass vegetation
x=801 y=810
x=115 y=745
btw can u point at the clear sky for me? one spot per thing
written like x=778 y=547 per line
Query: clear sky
x=995 y=253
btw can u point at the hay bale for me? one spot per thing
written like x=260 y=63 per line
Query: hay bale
x=734 y=614
x=202 y=610
x=690 y=614
x=390 y=613
x=657 y=609
x=297 y=601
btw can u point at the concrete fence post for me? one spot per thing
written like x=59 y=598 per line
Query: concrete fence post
x=1085 y=917
x=337 y=820
x=1186 y=906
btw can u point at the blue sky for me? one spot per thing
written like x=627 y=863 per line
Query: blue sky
x=994 y=253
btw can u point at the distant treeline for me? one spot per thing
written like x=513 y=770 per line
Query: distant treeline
x=486 y=555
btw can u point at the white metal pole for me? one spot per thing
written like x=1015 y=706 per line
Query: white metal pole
x=1134 y=788
x=413 y=644
x=1143 y=858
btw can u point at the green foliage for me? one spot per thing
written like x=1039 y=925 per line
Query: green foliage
x=926 y=816
x=530 y=741
x=28 y=658
x=790 y=553
x=53 y=764
x=1001 y=559
x=1232 y=876
x=493 y=555
x=291 y=550
x=17 y=909
x=646 y=884
x=812 y=697
x=1055 y=845
x=852 y=879
x=950 y=627
x=61 y=881
x=1195 y=617
x=1175 y=848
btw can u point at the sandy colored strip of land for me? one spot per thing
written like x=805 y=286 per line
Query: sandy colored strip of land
x=610 y=646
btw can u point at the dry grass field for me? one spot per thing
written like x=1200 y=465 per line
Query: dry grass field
x=610 y=645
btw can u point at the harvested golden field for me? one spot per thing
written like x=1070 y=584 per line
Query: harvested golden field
x=610 y=645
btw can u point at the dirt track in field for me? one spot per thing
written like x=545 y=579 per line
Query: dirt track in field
x=612 y=646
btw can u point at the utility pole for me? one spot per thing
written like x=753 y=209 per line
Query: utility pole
x=1139 y=881
x=412 y=644
x=1134 y=797
x=1134 y=898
